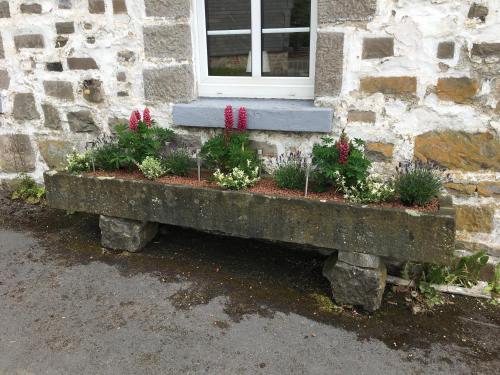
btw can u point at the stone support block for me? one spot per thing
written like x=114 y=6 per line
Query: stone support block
x=345 y=10
x=168 y=41
x=355 y=285
x=168 y=8
x=329 y=64
x=170 y=84
x=17 y=153
x=377 y=48
x=124 y=234
x=359 y=259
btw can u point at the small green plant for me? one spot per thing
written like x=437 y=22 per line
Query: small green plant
x=417 y=183
x=228 y=151
x=494 y=285
x=236 y=179
x=342 y=157
x=152 y=168
x=325 y=303
x=77 y=163
x=371 y=190
x=291 y=172
x=177 y=162
x=431 y=295
x=28 y=190
x=111 y=156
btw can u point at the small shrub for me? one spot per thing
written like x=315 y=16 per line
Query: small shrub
x=342 y=157
x=228 y=151
x=291 y=172
x=177 y=162
x=417 y=183
x=77 y=163
x=236 y=179
x=152 y=168
x=29 y=191
x=494 y=285
x=372 y=190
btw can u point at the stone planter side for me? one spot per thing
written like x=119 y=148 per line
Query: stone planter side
x=394 y=233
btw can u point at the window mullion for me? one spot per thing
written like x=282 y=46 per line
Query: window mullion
x=256 y=39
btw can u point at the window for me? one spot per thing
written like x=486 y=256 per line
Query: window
x=256 y=48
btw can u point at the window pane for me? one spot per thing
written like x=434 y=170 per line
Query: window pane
x=285 y=55
x=228 y=14
x=286 y=13
x=229 y=55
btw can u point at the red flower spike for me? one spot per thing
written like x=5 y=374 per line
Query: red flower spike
x=228 y=118
x=343 y=147
x=137 y=115
x=146 y=117
x=242 y=119
x=133 y=121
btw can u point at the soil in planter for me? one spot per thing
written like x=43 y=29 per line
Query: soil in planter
x=265 y=186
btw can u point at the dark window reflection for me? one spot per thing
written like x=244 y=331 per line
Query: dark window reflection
x=285 y=55
x=286 y=13
x=228 y=14
x=228 y=55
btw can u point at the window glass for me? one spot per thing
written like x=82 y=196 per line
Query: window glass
x=229 y=55
x=286 y=13
x=228 y=14
x=285 y=55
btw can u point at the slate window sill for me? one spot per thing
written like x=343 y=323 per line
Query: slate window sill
x=263 y=114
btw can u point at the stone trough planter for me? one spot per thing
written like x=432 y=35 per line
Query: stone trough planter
x=360 y=238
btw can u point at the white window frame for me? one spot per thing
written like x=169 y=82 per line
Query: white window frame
x=255 y=86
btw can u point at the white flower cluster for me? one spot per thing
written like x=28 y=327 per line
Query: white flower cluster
x=371 y=190
x=76 y=162
x=237 y=179
x=152 y=168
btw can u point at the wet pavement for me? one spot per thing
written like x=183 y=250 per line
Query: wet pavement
x=198 y=303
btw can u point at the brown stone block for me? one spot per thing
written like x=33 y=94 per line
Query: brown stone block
x=459 y=150
x=329 y=64
x=478 y=11
x=93 y=91
x=489 y=189
x=82 y=63
x=51 y=115
x=4 y=9
x=2 y=52
x=361 y=116
x=460 y=189
x=54 y=152
x=97 y=7
x=377 y=48
x=389 y=85
x=486 y=49
x=4 y=80
x=29 y=41
x=459 y=90
x=119 y=7
x=475 y=218
x=65 y=27
x=31 y=8
x=25 y=107
x=59 y=89
x=380 y=152
x=345 y=10
x=446 y=50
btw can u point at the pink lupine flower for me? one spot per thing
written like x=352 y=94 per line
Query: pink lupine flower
x=228 y=117
x=137 y=115
x=133 y=121
x=242 y=119
x=343 y=147
x=146 y=117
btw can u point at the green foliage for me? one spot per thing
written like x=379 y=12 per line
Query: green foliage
x=325 y=303
x=77 y=163
x=326 y=159
x=291 y=172
x=494 y=285
x=431 y=295
x=177 y=162
x=227 y=153
x=418 y=184
x=112 y=156
x=371 y=190
x=152 y=168
x=237 y=179
x=28 y=190
x=145 y=141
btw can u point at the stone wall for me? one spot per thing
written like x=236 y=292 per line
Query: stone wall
x=414 y=78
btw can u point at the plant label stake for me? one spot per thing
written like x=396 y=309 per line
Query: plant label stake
x=259 y=155
x=198 y=162
x=92 y=144
x=308 y=169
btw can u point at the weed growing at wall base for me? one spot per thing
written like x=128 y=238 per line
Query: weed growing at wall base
x=28 y=190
